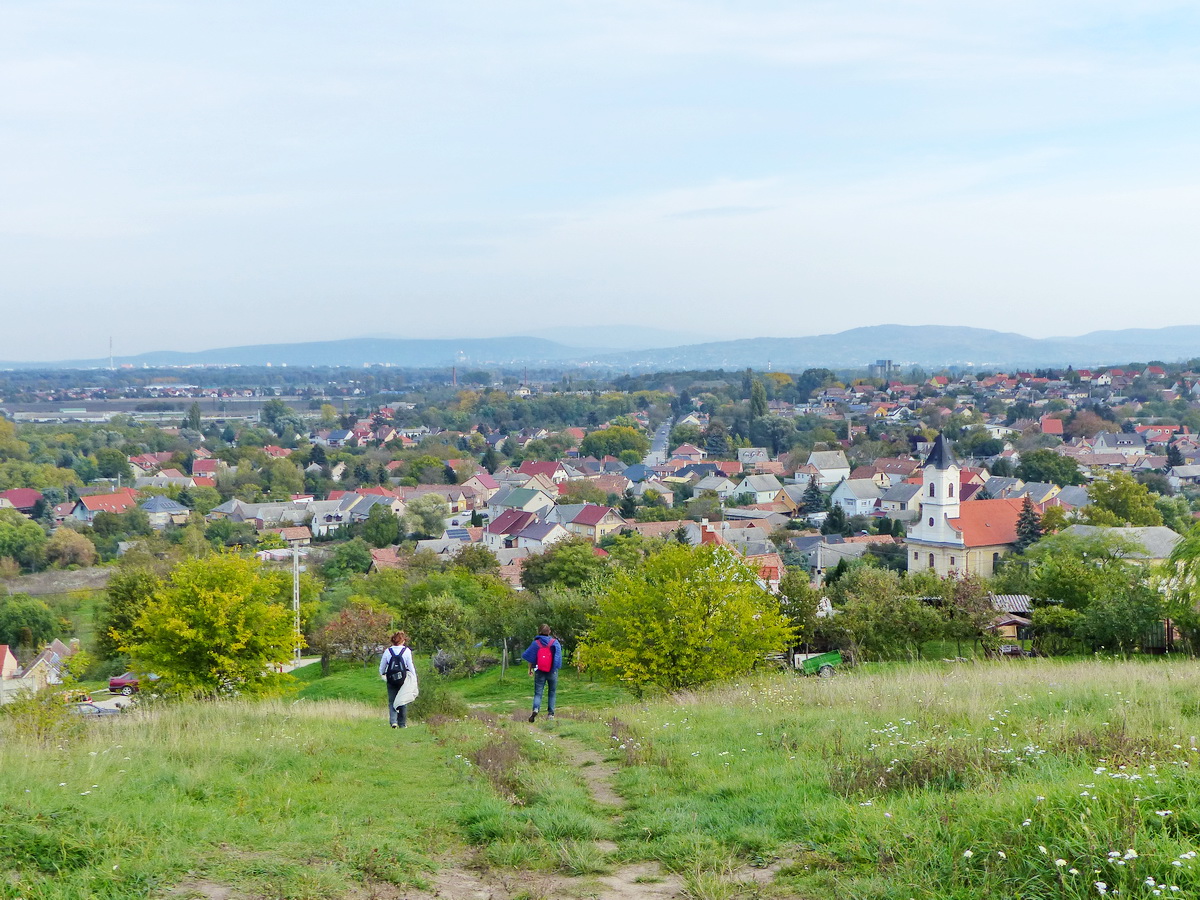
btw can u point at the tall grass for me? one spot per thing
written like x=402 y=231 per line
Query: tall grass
x=928 y=780
x=280 y=799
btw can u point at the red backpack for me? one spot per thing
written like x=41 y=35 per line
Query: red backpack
x=545 y=656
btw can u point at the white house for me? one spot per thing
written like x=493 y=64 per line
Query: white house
x=758 y=489
x=857 y=496
x=831 y=465
x=716 y=484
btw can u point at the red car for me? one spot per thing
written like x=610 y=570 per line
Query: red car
x=126 y=684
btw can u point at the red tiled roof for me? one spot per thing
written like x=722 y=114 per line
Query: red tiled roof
x=591 y=515
x=511 y=521
x=529 y=467
x=22 y=498
x=117 y=502
x=985 y=523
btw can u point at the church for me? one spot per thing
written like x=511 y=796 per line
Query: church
x=953 y=537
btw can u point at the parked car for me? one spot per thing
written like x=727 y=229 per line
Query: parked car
x=91 y=709
x=128 y=683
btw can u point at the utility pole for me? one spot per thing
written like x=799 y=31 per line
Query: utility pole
x=296 y=603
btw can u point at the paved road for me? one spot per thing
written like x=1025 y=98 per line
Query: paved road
x=658 y=446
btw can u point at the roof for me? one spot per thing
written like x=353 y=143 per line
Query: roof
x=987 y=523
x=161 y=504
x=1157 y=541
x=117 y=502
x=511 y=521
x=828 y=459
x=862 y=488
x=295 y=533
x=591 y=515
x=538 y=531
x=760 y=483
x=1012 y=603
x=22 y=498
x=486 y=481
x=941 y=456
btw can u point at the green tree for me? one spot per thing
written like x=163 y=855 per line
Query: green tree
x=21 y=539
x=1174 y=456
x=1072 y=570
x=350 y=558
x=612 y=441
x=571 y=563
x=880 y=618
x=192 y=419
x=112 y=463
x=1120 y=500
x=382 y=528
x=125 y=599
x=683 y=617
x=70 y=548
x=1121 y=620
x=813 y=499
x=477 y=559
x=26 y=622
x=215 y=627
x=758 y=399
x=1055 y=630
x=1048 y=466
x=427 y=515
x=1029 y=526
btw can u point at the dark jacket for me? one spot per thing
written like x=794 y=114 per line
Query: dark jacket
x=542 y=640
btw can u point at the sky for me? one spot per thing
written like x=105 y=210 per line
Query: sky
x=195 y=175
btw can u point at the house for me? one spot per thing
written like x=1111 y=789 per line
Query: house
x=587 y=519
x=163 y=511
x=502 y=531
x=23 y=500
x=831 y=466
x=750 y=456
x=757 y=489
x=9 y=667
x=540 y=536
x=117 y=502
x=484 y=485
x=296 y=535
x=555 y=471
x=715 y=484
x=951 y=536
x=689 y=453
x=521 y=498
x=857 y=496
x=1153 y=543
x=900 y=501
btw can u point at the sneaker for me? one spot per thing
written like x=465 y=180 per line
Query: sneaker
x=533 y=715
x=394 y=725
x=551 y=716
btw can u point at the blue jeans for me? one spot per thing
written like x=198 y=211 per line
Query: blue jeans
x=540 y=680
x=396 y=716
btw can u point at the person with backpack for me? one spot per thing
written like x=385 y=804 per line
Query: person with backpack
x=397 y=669
x=544 y=656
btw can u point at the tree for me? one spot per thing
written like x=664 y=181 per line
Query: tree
x=683 y=617
x=427 y=515
x=477 y=559
x=1048 y=466
x=215 y=627
x=112 y=463
x=382 y=528
x=1073 y=570
x=799 y=601
x=70 y=548
x=813 y=499
x=192 y=419
x=1121 y=620
x=125 y=598
x=26 y=622
x=836 y=522
x=1120 y=500
x=357 y=631
x=1054 y=630
x=1029 y=526
x=758 y=399
x=570 y=563
x=350 y=558
x=21 y=539
x=1174 y=456
x=879 y=618
x=611 y=441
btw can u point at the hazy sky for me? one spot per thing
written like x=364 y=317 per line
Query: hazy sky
x=192 y=175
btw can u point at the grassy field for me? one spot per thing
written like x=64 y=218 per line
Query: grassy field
x=1024 y=778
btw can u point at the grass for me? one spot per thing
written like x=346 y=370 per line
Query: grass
x=1034 y=778
x=282 y=800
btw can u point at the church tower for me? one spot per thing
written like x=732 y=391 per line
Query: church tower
x=940 y=488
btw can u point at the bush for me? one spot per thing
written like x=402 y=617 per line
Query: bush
x=436 y=700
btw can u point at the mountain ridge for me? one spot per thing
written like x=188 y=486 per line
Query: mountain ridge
x=926 y=346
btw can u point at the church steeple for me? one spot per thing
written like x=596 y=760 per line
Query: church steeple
x=941 y=456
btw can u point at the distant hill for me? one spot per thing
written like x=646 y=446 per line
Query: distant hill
x=929 y=346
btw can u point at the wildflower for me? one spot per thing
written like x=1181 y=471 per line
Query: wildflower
x=1043 y=850
x=1101 y=888
x=1130 y=854
x=1002 y=854
x=1073 y=871
x=1060 y=862
x=1026 y=823
x=967 y=854
x=1163 y=812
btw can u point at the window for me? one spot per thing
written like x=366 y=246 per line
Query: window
x=952 y=562
x=931 y=521
x=951 y=494
x=916 y=555
x=931 y=560
x=931 y=491
x=995 y=560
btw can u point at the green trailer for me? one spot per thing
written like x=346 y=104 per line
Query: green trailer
x=820 y=664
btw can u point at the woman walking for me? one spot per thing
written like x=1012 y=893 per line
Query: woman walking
x=397 y=669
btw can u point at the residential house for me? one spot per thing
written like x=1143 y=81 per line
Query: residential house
x=750 y=456
x=117 y=502
x=502 y=531
x=540 y=536
x=901 y=501
x=484 y=486
x=1153 y=543
x=857 y=496
x=587 y=519
x=831 y=466
x=522 y=498
x=296 y=535
x=689 y=453
x=23 y=500
x=555 y=471
x=163 y=511
x=715 y=484
x=757 y=489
